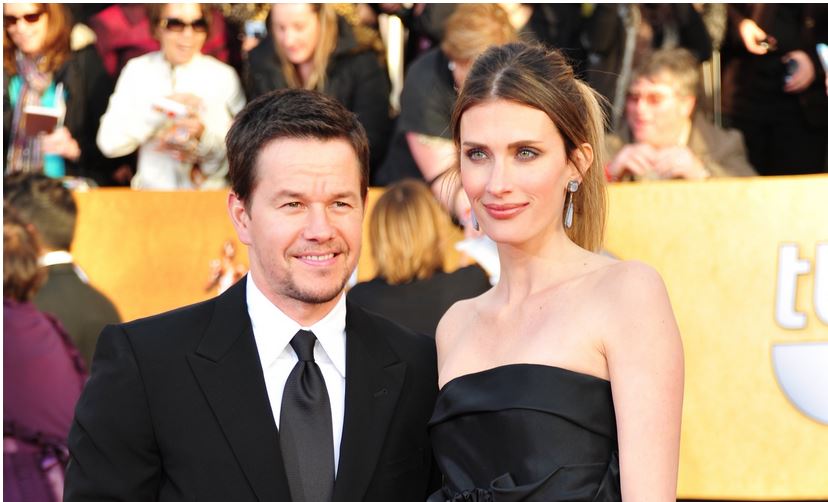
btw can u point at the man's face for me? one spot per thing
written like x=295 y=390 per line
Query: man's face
x=656 y=112
x=303 y=222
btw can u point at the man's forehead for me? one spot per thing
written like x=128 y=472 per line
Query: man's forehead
x=663 y=82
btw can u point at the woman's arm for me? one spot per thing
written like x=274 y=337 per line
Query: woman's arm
x=129 y=120
x=217 y=122
x=646 y=366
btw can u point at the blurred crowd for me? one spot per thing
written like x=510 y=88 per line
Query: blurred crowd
x=142 y=95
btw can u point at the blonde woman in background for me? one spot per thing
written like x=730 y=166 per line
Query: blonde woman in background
x=412 y=286
x=309 y=46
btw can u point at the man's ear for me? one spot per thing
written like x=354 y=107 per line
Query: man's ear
x=581 y=161
x=240 y=217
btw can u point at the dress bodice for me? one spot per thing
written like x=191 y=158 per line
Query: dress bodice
x=526 y=432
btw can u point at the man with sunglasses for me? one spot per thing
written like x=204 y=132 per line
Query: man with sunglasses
x=174 y=106
x=664 y=137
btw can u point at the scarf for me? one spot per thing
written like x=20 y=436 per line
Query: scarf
x=29 y=87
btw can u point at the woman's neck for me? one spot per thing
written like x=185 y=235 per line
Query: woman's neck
x=529 y=268
x=304 y=71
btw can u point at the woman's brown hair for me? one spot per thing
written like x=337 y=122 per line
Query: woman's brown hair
x=405 y=232
x=56 y=48
x=534 y=76
x=22 y=275
x=328 y=34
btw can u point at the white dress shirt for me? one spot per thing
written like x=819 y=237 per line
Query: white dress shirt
x=273 y=331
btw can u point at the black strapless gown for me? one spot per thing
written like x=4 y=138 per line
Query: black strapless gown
x=526 y=432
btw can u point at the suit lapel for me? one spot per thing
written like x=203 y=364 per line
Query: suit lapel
x=226 y=365
x=374 y=379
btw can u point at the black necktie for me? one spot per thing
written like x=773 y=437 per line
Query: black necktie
x=305 y=431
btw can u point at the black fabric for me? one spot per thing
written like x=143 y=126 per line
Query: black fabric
x=419 y=305
x=426 y=102
x=88 y=88
x=305 y=430
x=81 y=309
x=355 y=76
x=176 y=409
x=785 y=133
x=526 y=432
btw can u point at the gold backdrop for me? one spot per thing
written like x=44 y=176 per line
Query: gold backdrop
x=746 y=433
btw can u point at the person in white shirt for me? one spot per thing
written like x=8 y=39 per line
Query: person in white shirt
x=174 y=106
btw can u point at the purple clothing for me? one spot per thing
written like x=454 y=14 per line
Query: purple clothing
x=42 y=379
x=42 y=372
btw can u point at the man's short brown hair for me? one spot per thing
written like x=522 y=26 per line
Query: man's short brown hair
x=678 y=64
x=289 y=113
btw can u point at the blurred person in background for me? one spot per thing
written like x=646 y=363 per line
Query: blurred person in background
x=41 y=69
x=309 y=46
x=618 y=37
x=42 y=376
x=174 y=106
x=67 y=294
x=664 y=136
x=772 y=85
x=412 y=287
x=421 y=147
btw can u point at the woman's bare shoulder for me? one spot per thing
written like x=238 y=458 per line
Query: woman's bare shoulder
x=632 y=291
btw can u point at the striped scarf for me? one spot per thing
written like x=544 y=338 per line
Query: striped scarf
x=26 y=88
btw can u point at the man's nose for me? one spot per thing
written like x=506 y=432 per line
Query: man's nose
x=318 y=226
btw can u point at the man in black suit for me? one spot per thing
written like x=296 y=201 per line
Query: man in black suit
x=277 y=390
x=81 y=308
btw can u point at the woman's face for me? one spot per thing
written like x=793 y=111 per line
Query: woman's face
x=296 y=28
x=182 y=32
x=28 y=35
x=514 y=168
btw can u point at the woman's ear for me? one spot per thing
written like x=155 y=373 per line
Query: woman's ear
x=581 y=161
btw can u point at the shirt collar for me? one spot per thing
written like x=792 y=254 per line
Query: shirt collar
x=273 y=329
x=55 y=258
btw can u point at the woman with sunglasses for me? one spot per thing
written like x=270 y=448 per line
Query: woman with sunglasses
x=310 y=46
x=41 y=69
x=174 y=106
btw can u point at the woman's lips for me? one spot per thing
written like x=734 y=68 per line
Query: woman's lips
x=504 y=211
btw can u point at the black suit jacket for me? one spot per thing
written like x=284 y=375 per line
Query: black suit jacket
x=176 y=409
x=81 y=309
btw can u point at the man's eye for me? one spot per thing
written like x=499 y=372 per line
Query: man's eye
x=292 y=205
x=340 y=204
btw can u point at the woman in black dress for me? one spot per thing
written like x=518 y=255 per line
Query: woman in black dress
x=565 y=380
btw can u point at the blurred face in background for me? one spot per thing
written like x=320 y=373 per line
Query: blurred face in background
x=656 y=111
x=26 y=25
x=296 y=28
x=182 y=32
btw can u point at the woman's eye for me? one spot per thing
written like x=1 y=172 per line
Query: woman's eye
x=526 y=154
x=475 y=154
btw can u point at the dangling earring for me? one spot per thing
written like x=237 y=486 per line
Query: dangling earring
x=474 y=222
x=571 y=188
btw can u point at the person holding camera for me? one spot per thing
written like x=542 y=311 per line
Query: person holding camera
x=174 y=106
x=772 y=85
